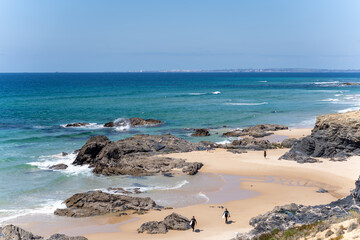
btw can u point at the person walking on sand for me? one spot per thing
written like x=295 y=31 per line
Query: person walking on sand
x=264 y=153
x=226 y=215
x=193 y=222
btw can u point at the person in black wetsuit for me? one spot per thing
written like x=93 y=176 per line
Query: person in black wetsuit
x=193 y=222
x=226 y=214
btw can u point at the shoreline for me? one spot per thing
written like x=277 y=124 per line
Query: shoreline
x=275 y=182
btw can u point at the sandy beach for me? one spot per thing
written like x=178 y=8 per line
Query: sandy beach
x=270 y=182
x=275 y=182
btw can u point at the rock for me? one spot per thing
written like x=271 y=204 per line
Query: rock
x=192 y=168
x=321 y=190
x=349 y=84
x=79 y=124
x=352 y=227
x=288 y=143
x=100 y=203
x=252 y=144
x=153 y=227
x=237 y=151
x=335 y=136
x=329 y=233
x=340 y=232
x=256 y=131
x=11 y=232
x=284 y=217
x=176 y=222
x=64 y=154
x=133 y=122
x=58 y=236
x=136 y=155
x=59 y=166
x=172 y=222
x=201 y=132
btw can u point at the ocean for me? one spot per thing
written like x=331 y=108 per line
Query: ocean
x=34 y=107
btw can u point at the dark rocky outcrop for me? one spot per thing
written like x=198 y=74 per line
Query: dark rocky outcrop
x=137 y=155
x=58 y=236
x=288 y=143
x=100 y=203
x=172 y=222
x=256 y=131
x=133 y=122
x=60 y=166
x=11 y=232
x=252 y=144
x=78 y=124
x=335 y=136
x=288 y=216
x=201 y=132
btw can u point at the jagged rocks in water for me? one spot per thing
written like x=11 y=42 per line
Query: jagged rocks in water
x=256 y=131
x=335 y=136
x=64 y=154
x=11 y=232
x=60 y=166
x=133 y=122
x=252 y=144
x=136 y=155
x=100 y=203
x=201 y=132
x=173 y=221
x=192 y=168
x=79 y=124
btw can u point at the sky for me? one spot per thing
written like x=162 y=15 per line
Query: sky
x=133 y=35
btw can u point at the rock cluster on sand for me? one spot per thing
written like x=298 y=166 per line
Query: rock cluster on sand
x=172 y=222
x=133 y=122
x=78 y=124
x=136 y=155
x=335 y=136
x=256 y=131
x=201 y=132
x=252 y=144
x=11 y=232
x=100 y=203
x=293 y=214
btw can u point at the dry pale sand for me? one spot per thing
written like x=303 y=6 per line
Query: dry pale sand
x=292 y=182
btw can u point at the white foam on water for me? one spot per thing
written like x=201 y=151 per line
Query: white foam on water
x=247 y=104
x=349 y=109
x=45 y=162
x=224 y=142
x=47 y=208
x=89 y=126
x=123 y=124
x=327 y=83
x=196 y=94
x=262 y=81
x=330 y=100
x=149 y=188
x=202 y=195
x=216 y=92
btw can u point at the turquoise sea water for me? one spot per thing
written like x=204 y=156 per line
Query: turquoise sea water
x=33 y=108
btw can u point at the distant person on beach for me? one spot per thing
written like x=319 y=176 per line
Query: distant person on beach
x=226 y=215
x=193 y=222
x=264 y=153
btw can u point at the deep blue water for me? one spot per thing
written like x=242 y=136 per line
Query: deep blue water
x=34 y=106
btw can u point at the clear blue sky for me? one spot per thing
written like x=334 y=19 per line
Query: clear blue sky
x=128 y=35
